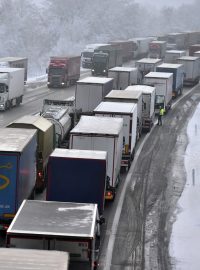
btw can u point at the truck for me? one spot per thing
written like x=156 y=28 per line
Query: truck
x=101 y=134
x=16 y=258
x=146 y=65
x=63 y=71
x=172 y=56
x=88 y=52
x=197 y=54
x=45 y=141
x=90 y=92
x=193 y=48
x=104 y=59
x=191 y=69
x=148 y=104
x=65 y=181
x=62 y=226
x=141 y=46
x=17 y=171
x=123 y=76
x=130 y=97
x=157 y=49
x=126 y=48
x=61 y=113
x=128 y=112
x=15 y=62
x=163 y=83
x=180 y=39
x=178 y=76
x=11 y=87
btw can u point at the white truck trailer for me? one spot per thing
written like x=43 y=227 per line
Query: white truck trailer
x=132 y=97
x=123 y=76
x=141 y=46
x=197 y=54
x=11 y=87
x=16 y=258
x=103 y=134
x=171 y=56
x=90 y=92
x=127 y=111
x=163 y=83
x=146 y=65
x=191 y=69
x=148 y=104
x=61 y=226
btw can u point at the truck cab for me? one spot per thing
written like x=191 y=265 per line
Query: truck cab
x=56 y=73
x=100 y=64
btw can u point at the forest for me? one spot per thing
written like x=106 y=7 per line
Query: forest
x=44 y=28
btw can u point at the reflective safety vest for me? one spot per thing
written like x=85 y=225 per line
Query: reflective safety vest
x=161 y=112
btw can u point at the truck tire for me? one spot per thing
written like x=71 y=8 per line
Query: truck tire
x=8 y=105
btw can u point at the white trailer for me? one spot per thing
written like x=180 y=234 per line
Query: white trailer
x=101 y=133
x=163 y=83
x=127 y=111
x=197 y=54
x=90 y=92
x=129 y=97
x=11 y=87
x=141 y=46
x=31 y=259
x=148 y=104
x=123 y=76
x=61 y=226
x=172 y=56
x=146 y=65
x=191 y=69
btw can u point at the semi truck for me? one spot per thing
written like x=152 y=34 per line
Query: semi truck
x=141 y=46
x=123 y=76
x=17 y=258
x=128 y=112
x=148 y=104
x=157 y=49
x=104 y=59
x=11 y=87
x=133 y=97
x=193 y=48
x=191 y=69
x=61 y=114
x=172 y=56
x=77 y=176
x=180 y=39
x=17 y=170
x=88 y=52
x=45 y=140
x=102 y=134
x=90 y=92
x=63 y=71
x=163 y=83
x=62 y=226
x=146 y=65
x=15 y=62
x=126 y=48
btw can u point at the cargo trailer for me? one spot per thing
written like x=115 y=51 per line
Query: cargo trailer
x=77 y=176
x=17 y=170
x=61 y=226
x=148 y=104
x=128 y=112
x=178 y=76
x=163 y=82
x=157 y=49
x=193 y=48
x=191 y=69
x=141 y=46
x=102 y=134
x=172 y=56
x=17 y=259
x=90 y=92
x=123 y=76
x=146 y=65
x=197 y=54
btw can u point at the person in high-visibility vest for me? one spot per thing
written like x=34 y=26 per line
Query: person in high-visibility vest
x=160 y=115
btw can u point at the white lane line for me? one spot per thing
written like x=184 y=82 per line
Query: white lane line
x=114 y=227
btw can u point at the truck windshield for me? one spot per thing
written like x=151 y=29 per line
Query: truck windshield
x=56 y=71
x=2 y=88
x=87 y=54
x=159 y=99
x=99 y=59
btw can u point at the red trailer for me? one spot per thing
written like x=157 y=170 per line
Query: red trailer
x=63 y=71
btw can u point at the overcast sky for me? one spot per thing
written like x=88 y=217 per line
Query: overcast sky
x=166 y=3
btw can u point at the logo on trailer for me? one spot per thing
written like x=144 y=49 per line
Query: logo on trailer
x=3 y=178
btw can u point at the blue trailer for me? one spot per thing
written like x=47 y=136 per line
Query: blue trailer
x=178 y=76
x=77 y=176
x=17 y=170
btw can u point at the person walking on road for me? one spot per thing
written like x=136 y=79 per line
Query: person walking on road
x=160 y=115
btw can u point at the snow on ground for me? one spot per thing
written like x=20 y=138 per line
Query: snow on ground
x=185 y=239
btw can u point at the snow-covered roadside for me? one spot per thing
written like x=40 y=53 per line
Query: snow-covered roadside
x=185 y=238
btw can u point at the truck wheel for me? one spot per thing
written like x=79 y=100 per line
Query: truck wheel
x=18 y=99
x=8 y=105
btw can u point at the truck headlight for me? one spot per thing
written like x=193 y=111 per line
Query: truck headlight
x=92 y=70
x=62 y=83
x=104 y=71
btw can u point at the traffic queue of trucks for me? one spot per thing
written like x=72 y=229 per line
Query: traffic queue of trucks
x=101 y=145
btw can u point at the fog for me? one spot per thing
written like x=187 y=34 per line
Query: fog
x=42 y=28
